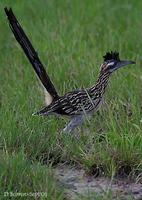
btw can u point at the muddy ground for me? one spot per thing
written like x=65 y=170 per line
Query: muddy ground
x=77 y=183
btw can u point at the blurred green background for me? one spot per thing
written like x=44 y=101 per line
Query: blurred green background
x=71 y=37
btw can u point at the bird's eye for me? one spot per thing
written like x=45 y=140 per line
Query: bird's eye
x=110 y=64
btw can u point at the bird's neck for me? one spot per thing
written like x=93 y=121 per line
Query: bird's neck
x=99 y=88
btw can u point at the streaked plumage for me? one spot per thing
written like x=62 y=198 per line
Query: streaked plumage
x=75 y=104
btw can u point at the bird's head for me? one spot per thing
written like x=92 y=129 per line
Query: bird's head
x=112 y=62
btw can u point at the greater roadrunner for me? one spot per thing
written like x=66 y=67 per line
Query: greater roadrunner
x=76 y=104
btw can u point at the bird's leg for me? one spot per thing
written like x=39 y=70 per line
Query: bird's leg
x=74 y=122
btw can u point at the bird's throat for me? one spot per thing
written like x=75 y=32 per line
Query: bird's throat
x=98 y=89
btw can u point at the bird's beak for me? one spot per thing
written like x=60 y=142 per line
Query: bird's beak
x=123 y=63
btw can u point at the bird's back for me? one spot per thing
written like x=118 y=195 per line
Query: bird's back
x=72 y=103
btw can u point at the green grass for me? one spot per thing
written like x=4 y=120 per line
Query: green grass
x=20 y=176
x=71 y=37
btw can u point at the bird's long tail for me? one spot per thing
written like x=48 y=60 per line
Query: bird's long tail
x=51 y=93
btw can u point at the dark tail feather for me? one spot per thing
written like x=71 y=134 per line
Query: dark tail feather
x=30 y=53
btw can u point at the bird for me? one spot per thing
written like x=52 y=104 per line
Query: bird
x=76 y=104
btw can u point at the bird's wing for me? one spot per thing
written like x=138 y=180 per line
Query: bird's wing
x=50 y=91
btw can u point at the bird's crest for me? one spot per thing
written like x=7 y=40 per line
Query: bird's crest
x=111 y=56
